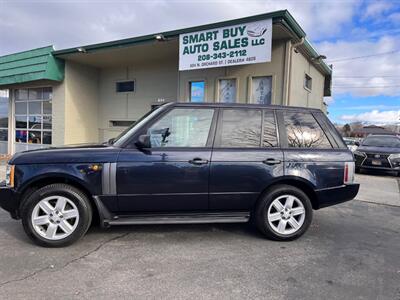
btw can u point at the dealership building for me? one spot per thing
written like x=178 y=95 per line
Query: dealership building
x=91 y=93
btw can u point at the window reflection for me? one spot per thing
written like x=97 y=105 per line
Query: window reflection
x=303 y=131
x=269 y=136
x=182 y=128
x=241 y=128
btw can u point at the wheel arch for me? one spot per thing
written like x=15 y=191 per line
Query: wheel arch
x=300 y=183
x=52 y=178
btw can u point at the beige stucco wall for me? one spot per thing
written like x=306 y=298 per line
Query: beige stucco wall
x=81 y=93
x=153 y=80
x=298 y=94
x=58 y=107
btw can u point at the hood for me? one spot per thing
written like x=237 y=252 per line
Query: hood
x=371 y=149
x=83 y=153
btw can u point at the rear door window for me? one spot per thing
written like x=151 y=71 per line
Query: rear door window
x=270 y=138
x=303 y=131
x=240 y=128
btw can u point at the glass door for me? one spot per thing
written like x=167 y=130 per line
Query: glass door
x=4 y=109
x=33 y=118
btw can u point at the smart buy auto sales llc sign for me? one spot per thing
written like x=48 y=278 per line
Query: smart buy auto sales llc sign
x=247 y=43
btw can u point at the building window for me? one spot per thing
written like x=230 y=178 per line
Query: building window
x=227 y=90
x=307 y=82
x=125 y=86
x=4 y=121
x=197 y=91
x=261 y=90
x=303 y=131
x=33 y=116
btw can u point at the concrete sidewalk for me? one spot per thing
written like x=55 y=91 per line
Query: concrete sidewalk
x=382 y=189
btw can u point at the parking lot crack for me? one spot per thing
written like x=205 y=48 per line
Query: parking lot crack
x=33 y=274
x=101 y=245
x=30 y=275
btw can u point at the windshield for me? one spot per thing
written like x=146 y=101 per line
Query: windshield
x=120 y=139
x=382 y=141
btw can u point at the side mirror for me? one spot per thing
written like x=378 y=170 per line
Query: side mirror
x=143 y=141
x=111 y=141
x=357 y=144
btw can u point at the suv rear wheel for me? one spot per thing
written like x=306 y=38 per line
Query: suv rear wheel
x=284 y=213
x=56 y=215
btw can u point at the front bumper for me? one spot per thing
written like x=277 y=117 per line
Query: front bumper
x=336 y=195
x=380 y=162
x=9 y=200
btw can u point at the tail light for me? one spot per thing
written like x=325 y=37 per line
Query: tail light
x=348 y=176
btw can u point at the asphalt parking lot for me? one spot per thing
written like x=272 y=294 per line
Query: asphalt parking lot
x=350 y=252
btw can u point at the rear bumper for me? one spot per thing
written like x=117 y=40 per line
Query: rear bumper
x=394 y=169
x=9 y=200
x=332 y=196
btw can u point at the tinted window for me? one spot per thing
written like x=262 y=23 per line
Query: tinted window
x=303 y=131
x=182 y=128
x=240 y=128
x=382 y=141
x=125 y=86
x=269 y=135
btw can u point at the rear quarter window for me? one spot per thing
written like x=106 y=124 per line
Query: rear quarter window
x=303 y=131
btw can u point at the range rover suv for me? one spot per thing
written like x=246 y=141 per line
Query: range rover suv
x=187 y=163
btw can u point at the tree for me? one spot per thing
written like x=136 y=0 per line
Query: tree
x=346 y=130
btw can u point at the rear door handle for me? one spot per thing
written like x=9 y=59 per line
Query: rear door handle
x=198 y=161
x=272 y=161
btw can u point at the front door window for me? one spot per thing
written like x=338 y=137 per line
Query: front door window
x=33 y=118
x=182 y=128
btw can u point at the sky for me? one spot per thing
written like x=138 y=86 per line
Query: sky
x=360 y=38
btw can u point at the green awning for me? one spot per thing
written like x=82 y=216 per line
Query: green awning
x=32 y=65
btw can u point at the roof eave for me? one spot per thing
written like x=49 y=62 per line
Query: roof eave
x=276 y=16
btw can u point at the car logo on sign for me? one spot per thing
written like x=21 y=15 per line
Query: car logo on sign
x=377 y=156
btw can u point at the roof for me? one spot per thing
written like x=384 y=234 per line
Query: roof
x=278 y=17
x=42 y=63
x=237 y=105
x=32 y=65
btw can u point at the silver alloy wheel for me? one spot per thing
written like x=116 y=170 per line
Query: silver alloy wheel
x=55 y=217
x=286 y=214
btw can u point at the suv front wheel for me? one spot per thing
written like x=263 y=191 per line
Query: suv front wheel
x=284 y=213
x=56 y=215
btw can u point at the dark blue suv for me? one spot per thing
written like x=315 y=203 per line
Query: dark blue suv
x=187 y=163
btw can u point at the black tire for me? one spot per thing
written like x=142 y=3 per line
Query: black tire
x=261 y=219
x=74 y=195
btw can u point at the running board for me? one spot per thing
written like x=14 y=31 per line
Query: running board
x=188 y=218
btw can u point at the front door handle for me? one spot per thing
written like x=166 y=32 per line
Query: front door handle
x=198 y=161
x=272 y=161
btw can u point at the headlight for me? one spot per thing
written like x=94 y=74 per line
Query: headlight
x=395 y=159
x=394 y=156
x=359 y=153
x=10 y=175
